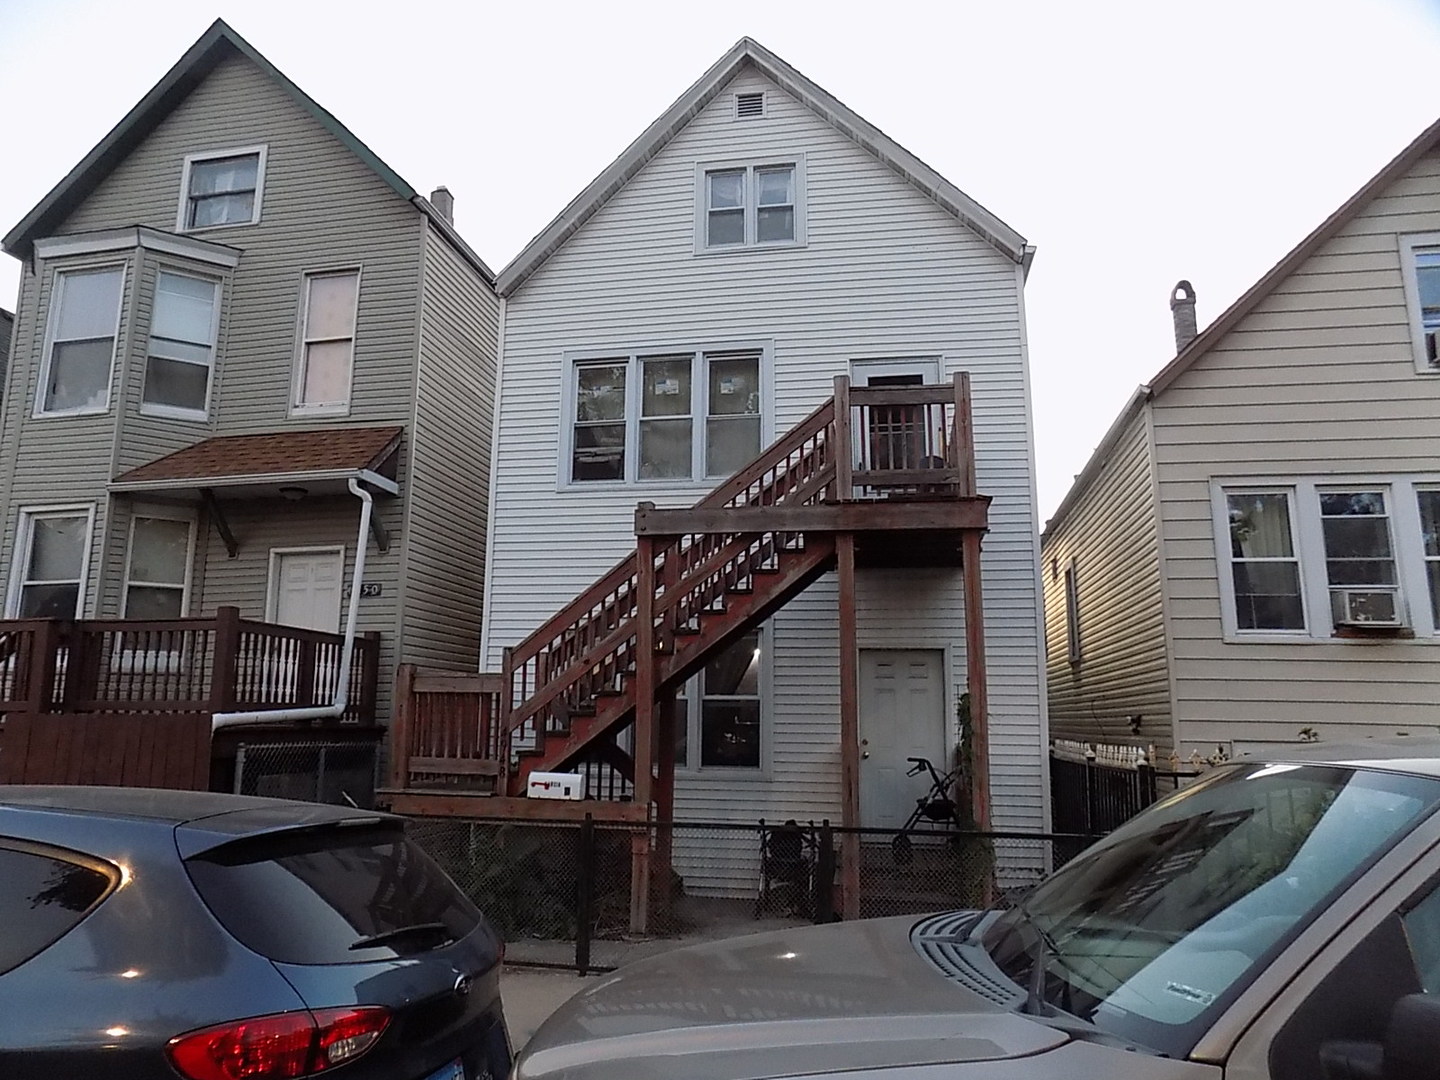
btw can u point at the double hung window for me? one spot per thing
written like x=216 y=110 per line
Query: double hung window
x=327 y=342
x=80 y=350
x=665 y=415
x=1420 y=256
x=52 y=554
x=751 y=205
x=719 y=711
x=222 y=189
x=157 y=570
x=1263 y=564
x=180 y=359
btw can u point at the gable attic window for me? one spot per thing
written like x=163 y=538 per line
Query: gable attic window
x=750 y=105
x=1420 y=262
x=750 y=206
x=221 y=189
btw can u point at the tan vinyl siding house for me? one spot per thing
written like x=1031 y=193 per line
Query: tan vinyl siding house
x=326 y=302
x=878 y=271
x=1295 y=500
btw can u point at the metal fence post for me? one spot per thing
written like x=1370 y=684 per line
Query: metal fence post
x=1091 y=794
x=825 y=875
x=584 y=894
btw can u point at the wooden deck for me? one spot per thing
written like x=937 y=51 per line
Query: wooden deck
x=125 y=701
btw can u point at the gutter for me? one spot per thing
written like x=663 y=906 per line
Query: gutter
x=342 y=686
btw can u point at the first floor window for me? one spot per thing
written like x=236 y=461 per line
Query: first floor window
x=222 y=189
x=1429 y=499
x=665 y=416
x=181 y=352
x=158 y=568
x=327 y=345
x=80 y=352
x=1359 y=559
x=720 y=710
x=52 y=553
x=1263 y=564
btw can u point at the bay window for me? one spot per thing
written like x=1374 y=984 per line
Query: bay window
x=180 y=359
x=80 y=346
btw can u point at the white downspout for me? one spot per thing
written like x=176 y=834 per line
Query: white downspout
x=342 y=687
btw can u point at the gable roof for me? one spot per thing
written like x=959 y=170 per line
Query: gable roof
x=845 y=120
x=1402 y=163
x=217 y=44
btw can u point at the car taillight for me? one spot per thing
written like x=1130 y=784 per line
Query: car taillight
x=284 y=1046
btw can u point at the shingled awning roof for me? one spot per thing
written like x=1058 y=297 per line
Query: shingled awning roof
x=319 y=461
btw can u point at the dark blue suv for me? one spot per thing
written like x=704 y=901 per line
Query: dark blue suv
x=155 y=934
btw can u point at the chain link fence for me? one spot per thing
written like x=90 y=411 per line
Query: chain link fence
x=343 y=773
x=566 y=894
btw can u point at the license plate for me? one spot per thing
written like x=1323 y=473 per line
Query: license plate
x=451 y=1071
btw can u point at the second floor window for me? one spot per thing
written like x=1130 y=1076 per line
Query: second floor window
x=752 y=205
x=80 y=352
x=222 y=189
x=181 y=355
x=327 y=345
x=665 y=416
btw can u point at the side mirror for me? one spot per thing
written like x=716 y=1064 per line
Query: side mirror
x=1412 y=1039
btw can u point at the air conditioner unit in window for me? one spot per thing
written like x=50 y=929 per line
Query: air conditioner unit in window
x=1365 y=607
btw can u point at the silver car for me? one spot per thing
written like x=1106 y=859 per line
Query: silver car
x=1276 y=919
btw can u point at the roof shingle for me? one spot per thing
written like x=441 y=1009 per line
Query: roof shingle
x=273 y=453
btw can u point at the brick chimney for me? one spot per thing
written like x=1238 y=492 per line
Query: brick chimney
x=1182 y=310
x=444 y=202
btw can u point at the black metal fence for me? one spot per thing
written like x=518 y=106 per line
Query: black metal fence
x=564 y=892
x=1093 y=797
x=341 y=772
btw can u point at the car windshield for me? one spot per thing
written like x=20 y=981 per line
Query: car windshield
x=1155 y=930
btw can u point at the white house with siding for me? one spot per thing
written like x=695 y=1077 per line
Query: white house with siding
x=1252 y=555
x=689 y=307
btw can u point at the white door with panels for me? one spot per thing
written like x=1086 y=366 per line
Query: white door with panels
x=902 y=716
x=305 y=588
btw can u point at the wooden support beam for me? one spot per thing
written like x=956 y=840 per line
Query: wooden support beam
x=645 y=688
x=853 y=517
x=975 y=680
x=844 y=452
x=849 y=726
x=664 y=802
x=378 y=530
x=218 y=519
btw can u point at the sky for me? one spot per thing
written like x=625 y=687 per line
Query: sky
x=1133 y=142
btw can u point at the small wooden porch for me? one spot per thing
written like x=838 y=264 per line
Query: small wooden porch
x=874 y=477
x=131 y=701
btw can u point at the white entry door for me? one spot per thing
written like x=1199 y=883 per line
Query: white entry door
x=902 y=715
x=305 y=588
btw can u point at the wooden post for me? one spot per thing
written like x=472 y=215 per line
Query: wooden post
x=224 y=659
x=664 y=802
x=305 y=672
x=369 y=677
x=964 y=435
x=402 y=726
x=505 y=706
x=844 y=453
x=975 y=678
x=44 y=651
x=849 y=725
x=644 y=727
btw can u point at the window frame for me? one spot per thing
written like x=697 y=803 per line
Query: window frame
x=300 y=408
x=54 y=302
x=177 y=412
x=632 y=359
x=162 y=513
x=182 y=212
x=1072 y=614
x=24 y=549
x=1412 y=594
x=751 y=167
x=1411 y=247
x=691 y=693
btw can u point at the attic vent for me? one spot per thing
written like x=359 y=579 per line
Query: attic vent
x=748 y=106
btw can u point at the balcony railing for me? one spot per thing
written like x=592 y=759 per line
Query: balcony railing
x=219 y=664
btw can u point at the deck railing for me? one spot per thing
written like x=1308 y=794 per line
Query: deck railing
x=163 y=666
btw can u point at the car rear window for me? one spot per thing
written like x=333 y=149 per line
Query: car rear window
x=44 y=893
x=320 y=896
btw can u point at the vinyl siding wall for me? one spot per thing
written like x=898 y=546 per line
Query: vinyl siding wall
x=1110 y=537
x=885 y=273
x=449 y=487
x=1318 y=381
x=322 y=208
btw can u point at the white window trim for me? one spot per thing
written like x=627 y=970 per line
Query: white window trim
x=167 y=513
x=1407 y=547
x=211 y=155
x=175 y=412
x=272 y=581
x=24 y=537
x=760 y=772
x=700 y=391
x=1409 y=247
x=52 y=322
x=750 y=165
x=297 y=382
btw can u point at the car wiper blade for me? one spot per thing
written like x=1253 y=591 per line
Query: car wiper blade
x=400 y=933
